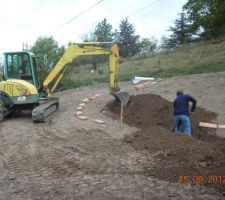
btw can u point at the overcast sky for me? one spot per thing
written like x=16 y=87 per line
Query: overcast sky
x=23 y=21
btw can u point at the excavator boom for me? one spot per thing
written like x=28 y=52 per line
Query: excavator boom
x=84 y=49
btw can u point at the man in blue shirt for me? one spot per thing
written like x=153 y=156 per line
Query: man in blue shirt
x=181 y=112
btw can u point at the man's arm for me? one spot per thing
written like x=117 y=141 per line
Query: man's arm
x=194 y=102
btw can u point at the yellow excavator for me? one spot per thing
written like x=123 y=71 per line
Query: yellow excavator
x=21 y=89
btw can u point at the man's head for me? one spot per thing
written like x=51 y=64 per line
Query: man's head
x=179 y=93
x=25 y=62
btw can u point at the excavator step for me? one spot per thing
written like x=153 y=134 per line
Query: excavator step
x=45 y=110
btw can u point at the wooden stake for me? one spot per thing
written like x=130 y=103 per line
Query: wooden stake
x=208 y=125
x=121 y=113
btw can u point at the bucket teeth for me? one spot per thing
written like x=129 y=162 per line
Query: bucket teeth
x=122 y=97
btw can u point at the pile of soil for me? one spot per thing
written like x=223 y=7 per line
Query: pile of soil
x=147 y=110
x=176 y=157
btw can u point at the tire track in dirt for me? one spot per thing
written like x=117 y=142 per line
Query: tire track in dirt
x=56 y=154
x=96 y=148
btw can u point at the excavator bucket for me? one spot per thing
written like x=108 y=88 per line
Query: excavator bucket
x=122 y=97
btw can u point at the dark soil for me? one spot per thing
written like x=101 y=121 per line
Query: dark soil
x=178 y=158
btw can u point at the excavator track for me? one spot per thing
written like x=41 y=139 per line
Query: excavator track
x=4 y=111
x=45 y=110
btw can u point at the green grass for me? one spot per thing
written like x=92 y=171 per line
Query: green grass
x=196 y=58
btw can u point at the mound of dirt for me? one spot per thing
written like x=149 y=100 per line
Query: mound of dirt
x=202 y=155
x=147 y=110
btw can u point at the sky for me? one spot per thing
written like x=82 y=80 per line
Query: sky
x=23 y=21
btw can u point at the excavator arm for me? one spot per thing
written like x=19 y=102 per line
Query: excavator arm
x=83 y=49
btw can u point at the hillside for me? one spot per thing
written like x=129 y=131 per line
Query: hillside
x=195 y=58
x=200 y=57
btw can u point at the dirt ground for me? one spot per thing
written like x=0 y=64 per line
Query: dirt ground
x=67 y=158
x=198 y=157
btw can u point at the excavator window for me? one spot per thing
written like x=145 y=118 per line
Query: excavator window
x=18 y=67
x=12 y=66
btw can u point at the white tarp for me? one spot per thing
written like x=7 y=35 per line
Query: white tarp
x=137 y=79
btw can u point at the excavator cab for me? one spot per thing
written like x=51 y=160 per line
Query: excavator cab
x=22 y=66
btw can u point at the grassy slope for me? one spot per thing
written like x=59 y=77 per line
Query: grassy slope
x=201 y=57
x=189 y=59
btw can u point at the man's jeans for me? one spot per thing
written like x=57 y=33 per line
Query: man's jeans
x=184 y=122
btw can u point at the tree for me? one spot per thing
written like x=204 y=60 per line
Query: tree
x=206 y=17
x=103 y=32
x=147 y=45
x=47 y=53
x=127 y=40
x=89 y=37
x=180 y=33
x=218 y=14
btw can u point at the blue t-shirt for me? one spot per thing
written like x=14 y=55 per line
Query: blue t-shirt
x=181 y=104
